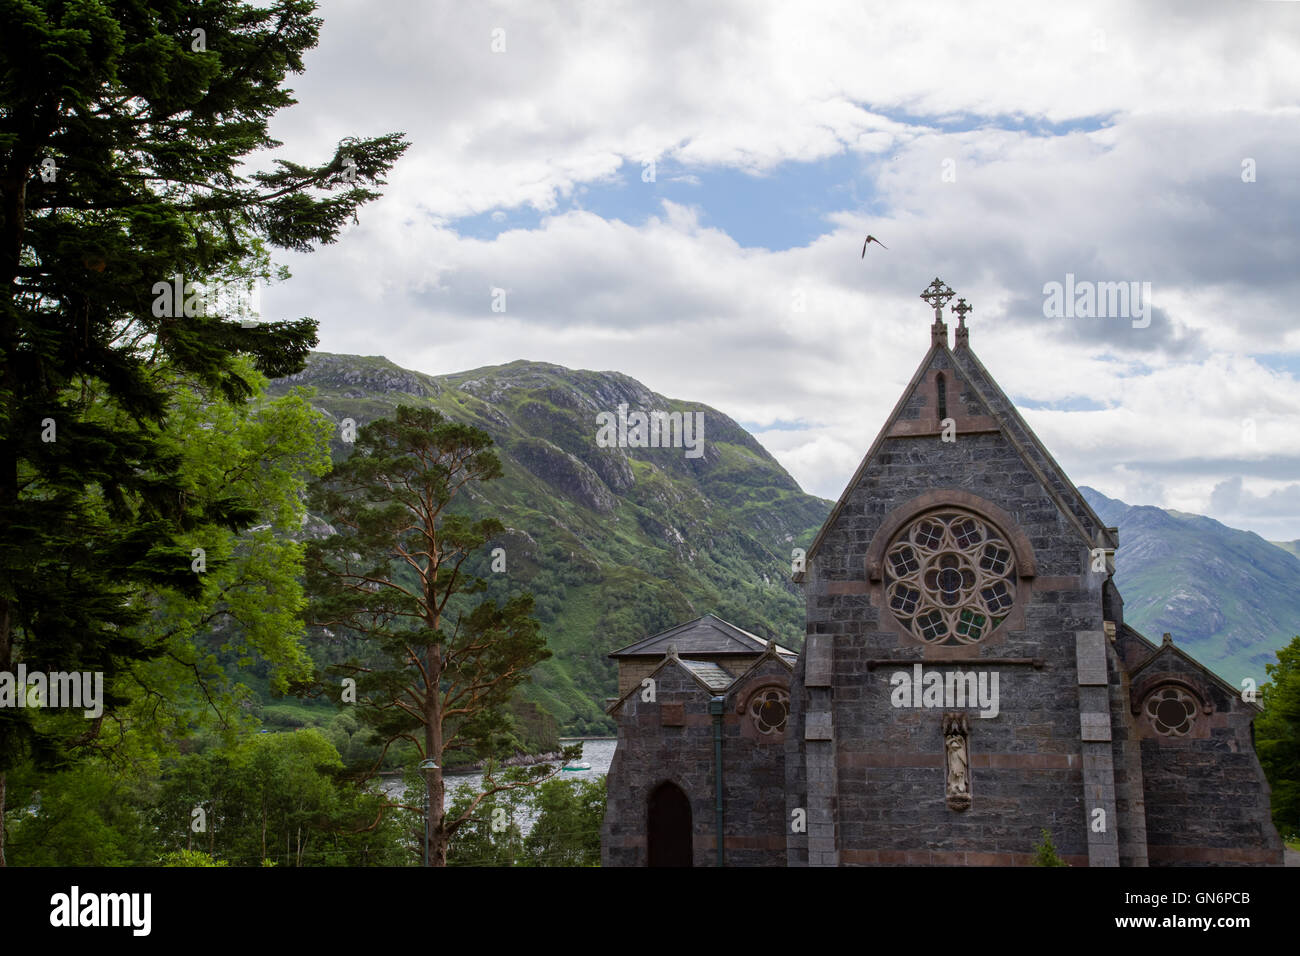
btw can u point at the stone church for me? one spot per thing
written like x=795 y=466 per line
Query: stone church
x=967 y=681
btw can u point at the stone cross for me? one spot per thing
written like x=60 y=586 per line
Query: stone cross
x=937 y=294
x=963 y=333
x=961 y=308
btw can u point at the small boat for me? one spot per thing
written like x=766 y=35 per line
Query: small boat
x=573 y=767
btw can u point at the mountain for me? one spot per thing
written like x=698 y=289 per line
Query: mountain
x=618 y=543
x=1228 y=597
x=1290 y=547
x=615 y=543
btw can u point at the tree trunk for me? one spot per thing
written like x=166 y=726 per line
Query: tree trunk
x=437 y=851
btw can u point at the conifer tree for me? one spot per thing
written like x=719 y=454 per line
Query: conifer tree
x=123 y=133
x=442 y=670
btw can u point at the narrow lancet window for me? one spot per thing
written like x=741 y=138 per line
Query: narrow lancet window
x=941 y=388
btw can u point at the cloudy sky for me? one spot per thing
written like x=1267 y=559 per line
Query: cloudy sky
x=680 y=192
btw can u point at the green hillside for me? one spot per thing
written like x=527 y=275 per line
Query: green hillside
x=1228 y=597
x=616 y=543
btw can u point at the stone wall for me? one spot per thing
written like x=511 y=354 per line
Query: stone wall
x=1027 y=766
x=1126 y=749
x=1069 y=749
x=1207 y=800
x=671 y=739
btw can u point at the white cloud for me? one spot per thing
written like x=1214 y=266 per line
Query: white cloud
x=1187 y=90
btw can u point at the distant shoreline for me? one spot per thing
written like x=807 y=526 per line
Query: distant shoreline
x=526 y=760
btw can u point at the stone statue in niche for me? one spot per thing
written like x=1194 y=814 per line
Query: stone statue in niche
x=956 y=735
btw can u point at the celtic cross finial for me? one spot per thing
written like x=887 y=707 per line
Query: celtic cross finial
x=961 y=309
x=937 y=295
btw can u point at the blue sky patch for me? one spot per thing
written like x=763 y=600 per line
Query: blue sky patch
x=1077 y=404
x=784 y=208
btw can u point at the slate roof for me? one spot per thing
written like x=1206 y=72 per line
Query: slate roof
x=710 y=677
x=709 y=634
x=713 y=676
x=1171 y=648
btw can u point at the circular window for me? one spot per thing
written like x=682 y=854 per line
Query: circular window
x=1172 y=711
x=769 y=710
x=950 y=578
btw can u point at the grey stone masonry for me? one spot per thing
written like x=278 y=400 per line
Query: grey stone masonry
x=967 y=682
x=1098 y=762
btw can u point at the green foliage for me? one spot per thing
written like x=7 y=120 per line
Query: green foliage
x=1277 y=738
x=272 y=799
x=569 y=818
x=491 y=834
x=189 y=858
x=434 y=666
x=90 y=814
x=1045 y=853
x=247 y=613
x=566 y=819
x=279 y=798
x=100 y=500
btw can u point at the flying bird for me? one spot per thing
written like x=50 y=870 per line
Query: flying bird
x=876 y=241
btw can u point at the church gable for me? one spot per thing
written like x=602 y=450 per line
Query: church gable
x=761 y=697
x=954 y=562
x=967 y=681
x=687 y=725
x=953 y=427
x=707 y=635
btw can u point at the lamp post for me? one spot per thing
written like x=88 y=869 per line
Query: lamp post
x=427 y=764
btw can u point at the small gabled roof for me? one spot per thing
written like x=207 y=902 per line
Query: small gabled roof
x=709 y=634
x=1169 y=647
x=1134 y=632
x=711 y=675
x=708 y=677
x=783 y=658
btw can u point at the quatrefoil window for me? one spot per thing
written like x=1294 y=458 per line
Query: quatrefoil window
x=1172 y=711
x=769 y=710
x=950 y=578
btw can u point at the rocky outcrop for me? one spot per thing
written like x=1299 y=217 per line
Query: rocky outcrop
x=564 y=472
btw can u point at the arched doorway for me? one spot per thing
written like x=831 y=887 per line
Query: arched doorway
x=668 y=827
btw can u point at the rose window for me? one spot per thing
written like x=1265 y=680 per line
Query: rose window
x=1172 y=711
x=769 y=710
x=950 y=578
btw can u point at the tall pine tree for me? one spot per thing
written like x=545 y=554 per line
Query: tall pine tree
x=440 y=669
x=123 y=130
